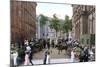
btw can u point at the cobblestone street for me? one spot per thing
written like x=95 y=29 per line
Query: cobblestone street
x=53 y=54
x=55 y=57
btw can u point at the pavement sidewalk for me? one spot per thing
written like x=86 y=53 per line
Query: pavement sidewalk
x=55 y=61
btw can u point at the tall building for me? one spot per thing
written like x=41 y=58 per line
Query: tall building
x=84 y=24
x=23 y=19
x=40 y=30
x=45 y=31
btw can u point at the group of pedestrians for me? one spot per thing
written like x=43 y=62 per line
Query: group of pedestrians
x=28 y=53
x=23 y=54
x=47 y=43
x=86 y=54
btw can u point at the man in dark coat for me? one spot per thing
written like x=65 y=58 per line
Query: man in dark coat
x=31 y=54
x=45 y=58
x=86 y=56
x=52 y=43
x=48 y=43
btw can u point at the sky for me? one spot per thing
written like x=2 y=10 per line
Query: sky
x=60 y=10
x=91 y=2
x=49 y=9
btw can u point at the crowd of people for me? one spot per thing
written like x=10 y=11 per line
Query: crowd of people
x=24 y=53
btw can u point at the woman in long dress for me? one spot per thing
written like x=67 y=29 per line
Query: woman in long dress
x=48 y=58
x=27 y=59
x=15 y=58
x=72 y=56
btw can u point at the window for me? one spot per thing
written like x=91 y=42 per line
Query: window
x=82 y=41
x=19 y=13
x=87 y=41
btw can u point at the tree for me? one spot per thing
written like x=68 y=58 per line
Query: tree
x=43 y=20
x=54 y=23
x=70 y=24
x=67 y=26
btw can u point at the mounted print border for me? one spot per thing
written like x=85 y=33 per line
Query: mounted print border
x=51 y=33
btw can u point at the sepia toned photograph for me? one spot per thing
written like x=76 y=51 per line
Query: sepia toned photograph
x=44 y=33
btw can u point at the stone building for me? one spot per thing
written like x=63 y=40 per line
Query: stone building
x=84 y=24
x=23 y=19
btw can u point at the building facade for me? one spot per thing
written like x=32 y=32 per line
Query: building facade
x=45 y=31
x=23 y=20
x=84 y=24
